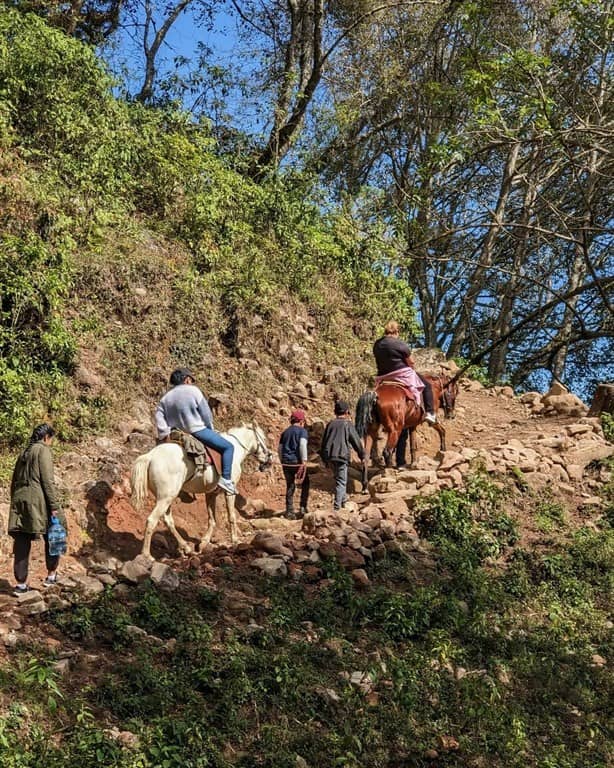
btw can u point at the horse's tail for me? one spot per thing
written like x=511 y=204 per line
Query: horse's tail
x=365 y=412
x=139 y=479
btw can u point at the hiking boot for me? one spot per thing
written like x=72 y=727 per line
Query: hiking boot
x=431 y=418
x=302 y=512
x=227 y=486
x=21 y=589
x=51 y=581
x=291 y=515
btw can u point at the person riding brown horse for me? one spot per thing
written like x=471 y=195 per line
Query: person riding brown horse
x=395 y=403
x=395 y=363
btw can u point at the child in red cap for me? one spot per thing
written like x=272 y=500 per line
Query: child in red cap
x=293 y=457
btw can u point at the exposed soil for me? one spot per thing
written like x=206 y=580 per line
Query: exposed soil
x=114 y=527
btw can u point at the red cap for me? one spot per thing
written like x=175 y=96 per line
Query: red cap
x=297 y=415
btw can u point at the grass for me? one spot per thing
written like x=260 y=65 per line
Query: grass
x=480 y=665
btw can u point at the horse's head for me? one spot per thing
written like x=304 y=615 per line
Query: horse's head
x=449 y=393
x=263 y=454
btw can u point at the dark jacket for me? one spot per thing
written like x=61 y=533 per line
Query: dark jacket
x=33 y=492
x=339 y=438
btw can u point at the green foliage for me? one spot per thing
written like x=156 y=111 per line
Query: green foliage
x=476 y=372
x=607 y=424
x=549 y=514
x=36 y=349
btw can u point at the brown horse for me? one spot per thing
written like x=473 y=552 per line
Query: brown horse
x=389 y=407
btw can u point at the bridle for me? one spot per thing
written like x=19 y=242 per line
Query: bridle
x=261 y=446
x=448 y=397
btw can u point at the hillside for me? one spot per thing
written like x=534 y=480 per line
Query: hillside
x=458 y=613
x=475 y=588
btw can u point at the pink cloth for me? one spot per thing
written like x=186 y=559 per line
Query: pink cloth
x=408 y=378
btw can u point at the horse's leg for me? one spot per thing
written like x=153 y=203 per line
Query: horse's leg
x=442 y=435
x=183 y=545
x=210 y=507
x=162 y=505
x=391 y=444
x=412 y=446
x=232 y=519
x=368 y=441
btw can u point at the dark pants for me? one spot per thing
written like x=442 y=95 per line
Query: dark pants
x=290 y=475
x=22 y=543
x=427 y=395
x=340 y=471
x=213 y=439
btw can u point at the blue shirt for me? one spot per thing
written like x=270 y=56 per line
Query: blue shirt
x=293 y=445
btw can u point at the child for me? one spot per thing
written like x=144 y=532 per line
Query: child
x=293 y=457
x=339 y=438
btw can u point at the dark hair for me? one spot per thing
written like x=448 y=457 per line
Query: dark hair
x=40 y=432
x=179 y=375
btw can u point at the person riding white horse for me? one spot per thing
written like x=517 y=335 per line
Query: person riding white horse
x=167 y=469
x=185 y=407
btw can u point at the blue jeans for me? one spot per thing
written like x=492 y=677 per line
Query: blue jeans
x=340 y=471
x=213 y=439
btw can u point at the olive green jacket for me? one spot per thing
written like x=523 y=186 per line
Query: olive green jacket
x=33 y=492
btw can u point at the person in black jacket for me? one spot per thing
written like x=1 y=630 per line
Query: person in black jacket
x=339 y=438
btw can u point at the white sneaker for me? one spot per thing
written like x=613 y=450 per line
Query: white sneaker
x=431 y=418
x=227 y=486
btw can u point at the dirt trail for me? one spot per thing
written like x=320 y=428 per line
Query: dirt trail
x=483 y=420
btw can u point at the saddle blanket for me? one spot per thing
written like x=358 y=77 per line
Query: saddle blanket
x=201 y=455
x=407 y=378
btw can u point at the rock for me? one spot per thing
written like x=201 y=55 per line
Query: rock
x=556 y=388
x=507 y=392
x=431 y=754
x=89 y=586
x=164 y=577
x=271 y=544
x=448 y=743
x=87 y=379
x=449 y=460
x=360 y=577
x=136 y=570
x=361 y=680
x=270 y=566
x=62 y=666
x=598 y=661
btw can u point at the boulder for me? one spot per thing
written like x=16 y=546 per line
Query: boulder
x=270 y=566
x=164 y=577
x=136 y=570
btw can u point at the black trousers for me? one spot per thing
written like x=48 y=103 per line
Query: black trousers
x=290 y=475
x=22 y=543
x=427 y=395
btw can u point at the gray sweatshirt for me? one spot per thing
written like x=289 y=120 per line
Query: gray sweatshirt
x=183 y=407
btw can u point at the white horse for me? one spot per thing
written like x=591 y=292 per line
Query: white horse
x=164 y=471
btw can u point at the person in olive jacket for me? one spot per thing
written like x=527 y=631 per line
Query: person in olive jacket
x=34 y=499
x=339 y=438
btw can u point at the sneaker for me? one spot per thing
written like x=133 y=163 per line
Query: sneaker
x=21 y=589
x=227 y=486
x=50 y=581
x=431 y=418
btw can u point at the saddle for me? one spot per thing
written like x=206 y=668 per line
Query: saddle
x=201 y=455
x=408 y=393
